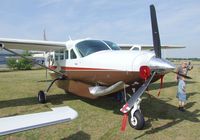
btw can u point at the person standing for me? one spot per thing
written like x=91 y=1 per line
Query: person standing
x=188 y=67
x=181 y=93
x=180 y=70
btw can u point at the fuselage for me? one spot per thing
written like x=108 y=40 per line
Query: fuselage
x=97 y=62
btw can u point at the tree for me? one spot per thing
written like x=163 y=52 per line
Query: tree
x=20 y=63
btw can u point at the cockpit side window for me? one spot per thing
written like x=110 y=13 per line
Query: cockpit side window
x=88 y=47
x=72 y=54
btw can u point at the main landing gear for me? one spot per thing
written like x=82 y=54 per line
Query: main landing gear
x=42 y=94
x=135 y=118
x=41 y=97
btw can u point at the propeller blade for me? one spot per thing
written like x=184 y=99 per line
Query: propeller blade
x=185 y=76
x=136 y=95
x=155 y=32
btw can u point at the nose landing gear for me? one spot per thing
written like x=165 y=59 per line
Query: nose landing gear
x=135 y=118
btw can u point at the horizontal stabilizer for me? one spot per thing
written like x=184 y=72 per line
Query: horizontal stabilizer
x=19 y=123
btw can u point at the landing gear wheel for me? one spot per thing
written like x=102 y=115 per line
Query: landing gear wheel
x=137 y=120
x=41 y=97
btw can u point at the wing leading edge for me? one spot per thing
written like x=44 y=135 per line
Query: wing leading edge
x=35 y=45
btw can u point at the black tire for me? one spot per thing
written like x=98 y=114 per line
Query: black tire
x=41 y=97
x=137 y=121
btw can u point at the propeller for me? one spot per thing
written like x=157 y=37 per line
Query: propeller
x=155 y=32
x=157 y=49
x=149 y=76
x=156 y=38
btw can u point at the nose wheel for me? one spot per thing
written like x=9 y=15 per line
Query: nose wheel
x=136 y=120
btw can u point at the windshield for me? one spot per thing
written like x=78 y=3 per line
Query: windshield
x=112 y=45
x=91 y=46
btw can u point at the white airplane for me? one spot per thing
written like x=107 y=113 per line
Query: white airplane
x=93 y=68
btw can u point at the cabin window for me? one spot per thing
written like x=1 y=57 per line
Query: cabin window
x=72 y=54
x=66 y=54
x=61 y=55
x=57 y=55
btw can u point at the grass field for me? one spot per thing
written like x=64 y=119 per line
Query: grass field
x=101 y=118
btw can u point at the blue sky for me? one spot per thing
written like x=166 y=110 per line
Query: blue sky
x=126 y=21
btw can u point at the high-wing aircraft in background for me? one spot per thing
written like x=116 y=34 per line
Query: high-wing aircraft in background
x=93 y=68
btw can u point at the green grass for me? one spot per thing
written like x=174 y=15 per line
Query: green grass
x=101 y=118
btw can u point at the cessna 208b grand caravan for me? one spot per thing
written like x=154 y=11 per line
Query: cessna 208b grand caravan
x=94 y=68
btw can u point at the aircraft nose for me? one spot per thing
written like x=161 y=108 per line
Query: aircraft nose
x=160 y=64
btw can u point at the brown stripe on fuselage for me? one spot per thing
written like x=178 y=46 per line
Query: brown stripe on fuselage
x=80 y=80
x=99 y=76
x=103 y=77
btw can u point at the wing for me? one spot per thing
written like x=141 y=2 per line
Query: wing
x=25 y=122
x=147 y=47
x=35 y=45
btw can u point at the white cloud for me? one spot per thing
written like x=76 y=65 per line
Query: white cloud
x=45 y=3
